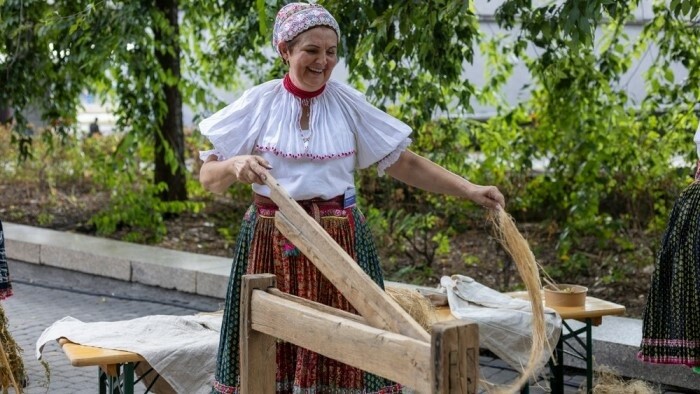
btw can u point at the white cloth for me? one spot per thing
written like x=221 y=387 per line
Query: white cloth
x=181 y=349
x=345 y=132
x=505 y=323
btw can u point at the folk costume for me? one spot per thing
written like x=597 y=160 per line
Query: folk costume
x=671 y=328
x=316 y=168
x=5 y=284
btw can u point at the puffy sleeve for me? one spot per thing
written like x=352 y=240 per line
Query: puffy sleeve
x=379 y=136
x=234 y=129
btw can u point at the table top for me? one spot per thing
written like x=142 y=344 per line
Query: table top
x=87 y=356
x=594 y=309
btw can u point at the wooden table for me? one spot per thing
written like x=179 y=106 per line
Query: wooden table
x=591 y=314
x=116 y=367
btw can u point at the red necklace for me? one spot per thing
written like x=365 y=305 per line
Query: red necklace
x=302 y=94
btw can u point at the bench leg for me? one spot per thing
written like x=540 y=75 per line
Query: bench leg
x=102 y=381
x=589 y=356
x=583 y=351
x=116 y=379
x=556 y=382
x=128 y=378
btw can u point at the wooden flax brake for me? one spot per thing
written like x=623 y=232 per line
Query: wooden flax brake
x=446 y=362
x=380 y=310
x=446 y=365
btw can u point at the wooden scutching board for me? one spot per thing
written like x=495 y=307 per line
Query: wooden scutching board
x=448 y=364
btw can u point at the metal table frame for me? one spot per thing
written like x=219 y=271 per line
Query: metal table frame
x=591 y=314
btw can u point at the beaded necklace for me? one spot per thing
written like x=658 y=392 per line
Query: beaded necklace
x=305 y=113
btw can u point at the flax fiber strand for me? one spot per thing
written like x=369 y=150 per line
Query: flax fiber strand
x=11 y=365
x=415 y=304
x=513 y=242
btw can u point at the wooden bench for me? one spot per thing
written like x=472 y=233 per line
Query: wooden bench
x=116 y=373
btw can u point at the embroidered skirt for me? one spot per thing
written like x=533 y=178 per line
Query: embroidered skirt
x=261 y=248
x=671 y=326
x=5 y=285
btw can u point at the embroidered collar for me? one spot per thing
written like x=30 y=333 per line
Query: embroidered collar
x=302 y=94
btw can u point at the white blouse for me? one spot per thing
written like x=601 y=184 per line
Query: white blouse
x=345 y=132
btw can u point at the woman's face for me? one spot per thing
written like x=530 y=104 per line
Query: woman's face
x=312 y=57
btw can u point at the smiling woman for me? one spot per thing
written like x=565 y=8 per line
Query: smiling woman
x=310 y=133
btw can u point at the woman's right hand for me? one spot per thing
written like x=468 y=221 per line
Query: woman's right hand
x=217 y=176
x=249 y=168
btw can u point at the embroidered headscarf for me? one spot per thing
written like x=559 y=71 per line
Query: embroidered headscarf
x=296 y=18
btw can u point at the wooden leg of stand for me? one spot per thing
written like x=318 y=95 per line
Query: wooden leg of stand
x=258 y=350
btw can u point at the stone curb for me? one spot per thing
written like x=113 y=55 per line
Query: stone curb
x=188 y=272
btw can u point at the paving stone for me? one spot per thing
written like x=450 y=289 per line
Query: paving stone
x=34 y=307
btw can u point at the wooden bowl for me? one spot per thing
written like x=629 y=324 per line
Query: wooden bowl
x=566 y=295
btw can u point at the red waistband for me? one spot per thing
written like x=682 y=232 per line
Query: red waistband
x=333 y=203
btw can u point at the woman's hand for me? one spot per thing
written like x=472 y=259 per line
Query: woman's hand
x=487 y=196
x=217 y=176
x=249 y=168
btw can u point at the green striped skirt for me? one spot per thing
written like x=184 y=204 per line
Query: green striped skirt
x=671 y=327
x=5 y=284
x=261 y=248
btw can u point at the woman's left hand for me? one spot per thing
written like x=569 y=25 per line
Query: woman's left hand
x=488 y=197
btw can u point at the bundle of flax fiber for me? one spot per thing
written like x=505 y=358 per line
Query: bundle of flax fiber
x=415 y=304
x=513 y=242
x=12 y=373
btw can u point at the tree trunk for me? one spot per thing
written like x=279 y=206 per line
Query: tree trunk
x=171 y=130
x=6 y=114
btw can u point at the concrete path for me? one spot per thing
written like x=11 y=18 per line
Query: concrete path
x=43 y=295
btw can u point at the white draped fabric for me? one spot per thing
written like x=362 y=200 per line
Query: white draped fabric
x=181 y=349
x=505 y=323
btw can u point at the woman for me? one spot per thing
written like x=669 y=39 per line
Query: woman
x=310 y=133
x=5 y=284
x=671 y=330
